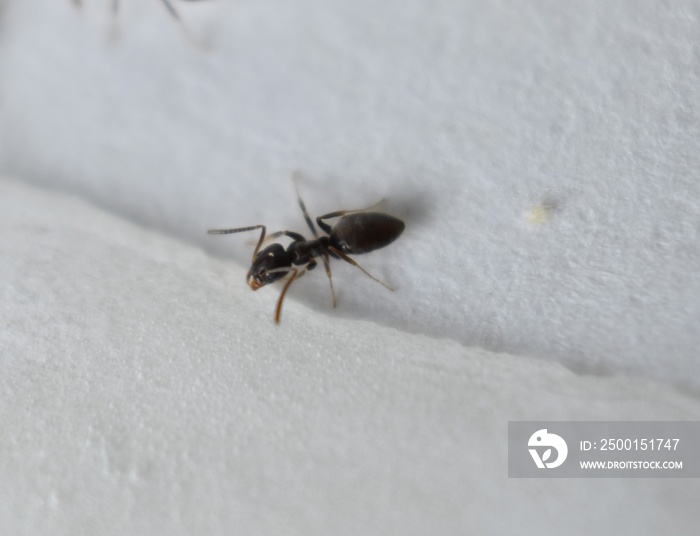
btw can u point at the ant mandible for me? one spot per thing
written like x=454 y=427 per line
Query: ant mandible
x=357 y=231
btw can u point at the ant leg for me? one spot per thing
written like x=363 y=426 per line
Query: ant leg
x=296 y=274
x=240 y=230
x=290 y=234
x=309 y=222
x=337 y=214
x=327 y=266
x=115 y=29
x=354 y=263
x=171 y=8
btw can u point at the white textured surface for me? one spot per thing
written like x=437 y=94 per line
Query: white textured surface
x=146 y=389
x=145 y=392
x=466 y=114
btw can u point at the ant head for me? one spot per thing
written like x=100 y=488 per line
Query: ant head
x=262 y=271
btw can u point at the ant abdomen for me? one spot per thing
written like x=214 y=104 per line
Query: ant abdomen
x=365 y=231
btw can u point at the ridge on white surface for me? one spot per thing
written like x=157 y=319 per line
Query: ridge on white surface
x=146 y=390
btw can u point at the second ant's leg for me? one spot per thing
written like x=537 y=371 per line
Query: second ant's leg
x=354 y=263
x=171 y=8
x=240 y=230
x=337 y=214
x=114 y=26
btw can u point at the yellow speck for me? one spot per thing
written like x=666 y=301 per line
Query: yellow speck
x=539 y=214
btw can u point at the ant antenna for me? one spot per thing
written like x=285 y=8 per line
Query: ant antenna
x=240 y=230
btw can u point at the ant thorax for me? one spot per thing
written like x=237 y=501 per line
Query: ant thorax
x=304 y=251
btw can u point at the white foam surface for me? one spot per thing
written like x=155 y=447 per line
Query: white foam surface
x=544 y=158
x=145 y=392
x=468 y=116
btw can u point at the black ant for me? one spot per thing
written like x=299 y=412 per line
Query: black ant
x=357 y=231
